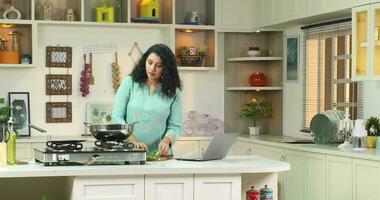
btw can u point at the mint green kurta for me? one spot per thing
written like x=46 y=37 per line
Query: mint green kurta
x=156 y=114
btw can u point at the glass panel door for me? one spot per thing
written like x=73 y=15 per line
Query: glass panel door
x=361 y=43
x=376 y=44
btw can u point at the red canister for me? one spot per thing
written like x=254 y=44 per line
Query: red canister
x=252 y=194
x=257 y=79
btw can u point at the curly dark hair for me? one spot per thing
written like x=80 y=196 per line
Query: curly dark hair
x=170 y=80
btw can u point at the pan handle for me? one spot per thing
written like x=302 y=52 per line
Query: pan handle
x=37 y=128
x=87 y=124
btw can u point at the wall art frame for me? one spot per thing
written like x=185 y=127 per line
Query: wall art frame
x=292 y=58
x=58 y=84
x=20 y=111
x=57 y=56
x=58 y=112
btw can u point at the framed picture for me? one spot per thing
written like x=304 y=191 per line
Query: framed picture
x=58 y=112
x=58 y=84
x=58 y=56
x=20 y=111
x=292 y=58
x=99 y=113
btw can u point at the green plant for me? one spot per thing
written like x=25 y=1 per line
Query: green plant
x=4 y=112
x=255 y=108
x=372 y=125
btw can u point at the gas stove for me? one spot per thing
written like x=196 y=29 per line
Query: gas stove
x=61 y=153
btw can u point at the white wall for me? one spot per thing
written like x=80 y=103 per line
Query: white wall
x=203 y=91
x=293 y=96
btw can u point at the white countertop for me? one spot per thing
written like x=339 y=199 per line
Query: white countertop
x=229 y=165
x=331 y=149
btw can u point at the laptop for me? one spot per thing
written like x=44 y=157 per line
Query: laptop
x=217 y=149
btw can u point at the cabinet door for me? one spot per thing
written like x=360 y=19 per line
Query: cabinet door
x=186 y=148
x=277 y=154
x=315 y=166
x=24 y=151
x=360 y=46
x=339 y=178
x=366 y=179
x=267 y=12
x=220 y=187
x=168 y=187
x=241 y=148
x=235 y=15
x=108 y=188
x=375 y=42
x=294 y=9
x=258 y=150
x=294 y=191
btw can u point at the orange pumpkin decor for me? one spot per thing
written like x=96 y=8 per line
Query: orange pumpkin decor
x=257 y=79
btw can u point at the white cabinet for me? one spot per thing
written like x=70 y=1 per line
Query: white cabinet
x=169 y=187
x=315 y=170
x=366 y=42
x=108 y=188
x=241 y=148
x=327 y=6
x=366 y=179
x=339 y=178
x=294 y=9
x=226 y=187
x=235 y=15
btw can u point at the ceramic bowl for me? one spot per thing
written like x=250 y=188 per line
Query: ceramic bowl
x=253 y=52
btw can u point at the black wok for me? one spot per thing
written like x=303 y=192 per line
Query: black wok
x=111 y=132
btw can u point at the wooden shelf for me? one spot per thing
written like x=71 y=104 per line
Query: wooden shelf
x=100 y=24
x=181 y=68
x=194 y=27
x=239 y=59
x=271 y=88
x=17 y=65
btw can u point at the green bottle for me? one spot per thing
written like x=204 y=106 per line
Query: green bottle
x=11 y=143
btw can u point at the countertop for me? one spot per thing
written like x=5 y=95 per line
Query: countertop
x=332 y=149
x=228 y=165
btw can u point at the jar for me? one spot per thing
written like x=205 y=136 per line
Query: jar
x=252 y=194
x=257 y=79
x=266 y=193
x=253 y=51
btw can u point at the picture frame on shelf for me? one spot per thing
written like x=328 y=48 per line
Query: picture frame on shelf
x=20 y=111
x=57 y=56
x=292 y=58
x=58 y=112
x=58 y=84
x=99 y=113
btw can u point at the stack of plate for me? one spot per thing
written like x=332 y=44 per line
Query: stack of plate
x=325 y=126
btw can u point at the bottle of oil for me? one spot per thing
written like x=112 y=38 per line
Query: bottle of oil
x=11 y=144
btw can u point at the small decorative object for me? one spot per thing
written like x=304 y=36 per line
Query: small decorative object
x=58 y=112
x=57 y=56
x=47 y=10
x=359 y=136
x=292 y=58
x=191 y=56
x=254 y=109
x=253 y=51
x=9 y=57
x=58 y=84
x=25 y=59
x=99 y=113
x=20 y=111
x=135 y=52
x=192 y=18
x=252 y=194
x=3 y=46
x=15 y=37
x=104 y=14
x=149 y=8
x=202 y=124
x=12 y=13
x=266 y=193
x=70 y=15
x=115 y=74
x=257 y=79
x=372 y=126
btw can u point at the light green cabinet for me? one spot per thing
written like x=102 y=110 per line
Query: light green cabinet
x=241 y=148
x=339 y=178
x=294 y=191
x=315 y=176
x=366 y=176
x=235 y=15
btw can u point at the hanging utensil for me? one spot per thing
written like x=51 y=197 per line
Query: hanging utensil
x=92 y=79
x=115 y=74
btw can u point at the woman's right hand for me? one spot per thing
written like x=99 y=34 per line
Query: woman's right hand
x=140 y=145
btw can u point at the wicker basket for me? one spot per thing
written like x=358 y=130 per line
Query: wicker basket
x=195 y=61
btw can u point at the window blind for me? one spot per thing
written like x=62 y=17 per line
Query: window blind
x=327 y=73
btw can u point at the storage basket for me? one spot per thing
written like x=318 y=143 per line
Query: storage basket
x=195 y=61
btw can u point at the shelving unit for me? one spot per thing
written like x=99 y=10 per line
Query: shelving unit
x=237 y=70
x=172 y=19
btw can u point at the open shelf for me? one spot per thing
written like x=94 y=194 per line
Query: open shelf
x=59 y=10
x=165 y=13
x=205 y=10
x=23 y=6
x=254 y=88
x=182 y=68
x=119 y=10
x=237 y=59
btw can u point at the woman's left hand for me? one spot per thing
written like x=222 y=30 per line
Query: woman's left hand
x=163 y=147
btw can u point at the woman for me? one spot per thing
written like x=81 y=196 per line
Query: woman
x=151 y=97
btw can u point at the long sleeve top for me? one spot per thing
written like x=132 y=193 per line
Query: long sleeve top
x=156 y=114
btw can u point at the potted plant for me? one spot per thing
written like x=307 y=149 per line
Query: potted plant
x=254 y=109
x=372 y=126
x=4 y=114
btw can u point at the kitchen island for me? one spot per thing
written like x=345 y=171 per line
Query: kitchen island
x=220 y=179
